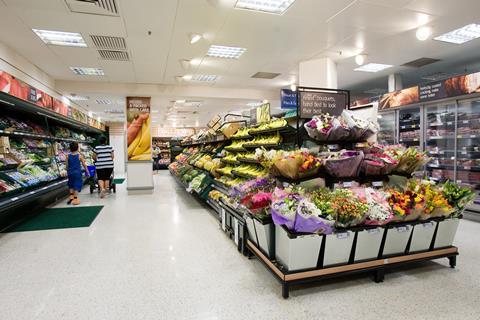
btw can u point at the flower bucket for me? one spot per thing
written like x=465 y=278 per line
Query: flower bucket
x=446 y=232
x=338 y=247
x=397 y=240
x=422 y=237
x=251 y=229
x=296 y=252
x=265 y=231
x=368 y=244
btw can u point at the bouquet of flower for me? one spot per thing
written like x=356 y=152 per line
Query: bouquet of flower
x=251 y=187
x=457 y=196
x=310 y=219
x=360 y=129
x=350 y=210
x=284 y=207
x=409 y=159
x=435 y=204
x=406 y=205
x=258 y=203
x=295 y=164
x=378 y=164
x=344 y=164
x=379 y=211
x=340 y=130
x=320 y=126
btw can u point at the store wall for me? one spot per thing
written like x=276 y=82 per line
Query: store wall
x=117 y=141
x=15 y=64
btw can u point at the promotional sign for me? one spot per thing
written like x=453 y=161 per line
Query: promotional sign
x=288 y=99
x=139 y=137
x=432 y=91
x=263 y=113
x=399 y=98
x=22 y=90
x=313 y=103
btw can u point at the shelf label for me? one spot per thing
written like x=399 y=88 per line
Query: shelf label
x=348 y=184
x=465 y=121
x=14 y=199
x=467 y=168
x=377 y=184
x=428 y=225
x=342 y=235
x=235 y=231
x=224 y=227
x=402 y=229
x=415 y=139
x=373 y=231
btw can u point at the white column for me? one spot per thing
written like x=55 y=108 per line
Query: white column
x=318 y=73
x=395 y=82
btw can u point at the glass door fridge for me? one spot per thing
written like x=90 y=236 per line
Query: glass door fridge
x=387 y=132
x=468 y=146
x=409 y=127
x=440 y=141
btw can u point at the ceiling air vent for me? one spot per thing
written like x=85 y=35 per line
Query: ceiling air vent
x=108 y=42
x=420 y=62
x=114 y=55
x=265 y=75
x=99 y=7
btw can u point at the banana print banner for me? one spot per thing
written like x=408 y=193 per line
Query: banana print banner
x=139 y=137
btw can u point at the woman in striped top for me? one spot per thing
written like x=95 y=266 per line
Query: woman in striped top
x=103 y=156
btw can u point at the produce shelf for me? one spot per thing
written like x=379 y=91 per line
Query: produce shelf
x=281 y=130
x=40 y=136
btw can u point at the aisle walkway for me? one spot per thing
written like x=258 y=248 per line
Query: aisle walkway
x=162 y=256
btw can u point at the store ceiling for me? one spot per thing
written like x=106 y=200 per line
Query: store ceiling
x=384 y=29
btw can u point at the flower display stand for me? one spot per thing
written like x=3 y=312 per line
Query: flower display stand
x=422 y=236
x=337 y=248
x=446 y=231
x=368 y=244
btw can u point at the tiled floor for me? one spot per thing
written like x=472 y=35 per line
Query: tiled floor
x=162 y=256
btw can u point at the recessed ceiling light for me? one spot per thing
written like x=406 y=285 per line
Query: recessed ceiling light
x=293 y=87
x=195 y=37
x=423 y=33
x=187 y=77
x=60 y=38
x=373 y=67
x=225 y=52
x=268 y=6
x=204 y=77
x=78 y=98
x=180 y=101
x=85 y=71
x=360 y=59
x=103 y=101
x=461 y=35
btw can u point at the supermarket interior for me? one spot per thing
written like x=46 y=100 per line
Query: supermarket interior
x=230 y=159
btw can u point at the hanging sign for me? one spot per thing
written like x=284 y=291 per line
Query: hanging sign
x=214 y=123
x=288 y=99
x=139 y=137
x=312 y=103
x=263 y=113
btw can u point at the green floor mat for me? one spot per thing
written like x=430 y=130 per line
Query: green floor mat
x=60 y=218
x=119 y=180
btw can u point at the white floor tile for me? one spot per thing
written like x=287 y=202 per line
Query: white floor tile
x=162 y=256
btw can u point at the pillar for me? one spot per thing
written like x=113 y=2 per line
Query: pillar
x=318 y=73
x=395 y=82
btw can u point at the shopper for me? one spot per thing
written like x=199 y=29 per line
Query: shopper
x=74 y=170
x=156 y=157
x=103 y=156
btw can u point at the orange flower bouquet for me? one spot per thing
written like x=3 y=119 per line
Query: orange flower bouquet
x=406 y=205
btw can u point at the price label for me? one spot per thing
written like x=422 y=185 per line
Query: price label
x=373 y=231
x=464 y=152
x=465 y=121
x=224 y=226
x=416 y=139
x=467 y=168
x=428 y=225
x=342 y=235
x=449 y=123
x=235 y=231
x=377 y=184
x=472 y=136
x=402 y=229
x=348 y=184
x=403 y=127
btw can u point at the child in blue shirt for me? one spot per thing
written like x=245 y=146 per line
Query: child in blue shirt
x=74 y=171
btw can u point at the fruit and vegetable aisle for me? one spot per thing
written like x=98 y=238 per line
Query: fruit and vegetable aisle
x=33 y=160
x=346 y=205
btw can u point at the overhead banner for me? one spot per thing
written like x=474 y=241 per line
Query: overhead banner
x=288 y=99
x=453 y=87
x=139 y=137
x=315 y=102
x=22 y=90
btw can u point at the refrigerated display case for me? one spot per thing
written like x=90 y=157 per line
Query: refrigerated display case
x=468 y=146
x=387 y=123
x=409 y=127
x=440 y=141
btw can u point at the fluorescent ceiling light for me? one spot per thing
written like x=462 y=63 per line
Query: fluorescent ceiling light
x=461 y=35
x=225 y=52
x=373 y=67
x=78 y=98
x=187 y=77
x=268 y=6
x=60 y=38
x=195 y=37
x=85 y=71
x=180 y=101
x=204 y=77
